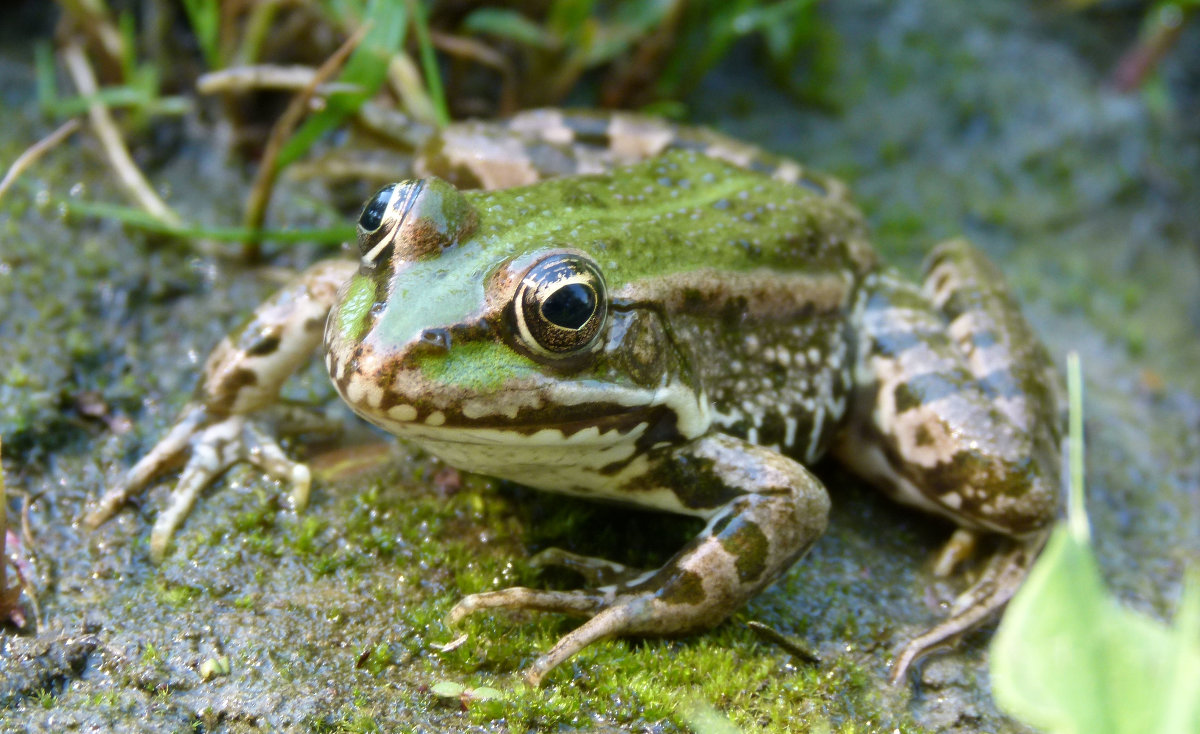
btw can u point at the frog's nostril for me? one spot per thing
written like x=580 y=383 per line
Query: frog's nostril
x=439 y=338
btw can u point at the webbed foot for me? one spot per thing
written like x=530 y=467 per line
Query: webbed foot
x=214 y=446
x=1002 y=575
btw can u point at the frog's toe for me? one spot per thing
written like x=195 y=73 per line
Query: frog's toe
x=611 y=614
x=579 y=603
x=1000 y=579
x=616 y=620
x=595 y=571
x=166 y=454
x=263 y=451
x=215 y=449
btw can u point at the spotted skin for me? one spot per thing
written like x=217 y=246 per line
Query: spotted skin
x=661 y=316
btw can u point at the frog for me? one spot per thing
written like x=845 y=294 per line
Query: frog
x=632 y=311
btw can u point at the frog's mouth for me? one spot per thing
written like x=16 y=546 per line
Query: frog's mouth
x=583 y=424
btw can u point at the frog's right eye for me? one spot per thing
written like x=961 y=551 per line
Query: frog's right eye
x=560 y=307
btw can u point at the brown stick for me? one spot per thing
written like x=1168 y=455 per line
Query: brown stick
x=127 y=171
x=268 y=171
x=36 y=151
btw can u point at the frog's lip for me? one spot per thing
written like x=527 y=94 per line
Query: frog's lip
x=619 y=420
x=624 y=420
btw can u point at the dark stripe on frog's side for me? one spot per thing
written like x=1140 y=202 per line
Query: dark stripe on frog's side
x=923 y=389
x=760 y=294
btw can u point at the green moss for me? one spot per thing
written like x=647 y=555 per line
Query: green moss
x=175 y=595
x=151 y=655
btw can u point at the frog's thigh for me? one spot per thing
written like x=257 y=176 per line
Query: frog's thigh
x=767 y=511
x=951 y=411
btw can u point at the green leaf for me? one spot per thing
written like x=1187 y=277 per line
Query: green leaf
x=1068 y=658
x=509 y=24
x=486 y=693
x=366 y=69
x=447 y=689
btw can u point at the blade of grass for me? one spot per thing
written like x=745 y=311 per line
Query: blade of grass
x=433 y=78
x=1076 y=512
x=44 y=75
x=511 y=25
x=205 y=18
x=139 y=219
x=122 y=97
x=129 y=175
x=366 y=69
x=269 y=167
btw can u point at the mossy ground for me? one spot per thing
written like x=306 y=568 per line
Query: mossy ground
x=988 y=119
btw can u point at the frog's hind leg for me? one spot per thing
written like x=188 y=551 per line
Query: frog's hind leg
x=764 y=511
x=956 y=411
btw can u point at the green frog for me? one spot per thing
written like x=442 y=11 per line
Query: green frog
x=618 y=308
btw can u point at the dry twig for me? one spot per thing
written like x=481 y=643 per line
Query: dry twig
x=268 y=171
x=127 y=171
x=36 y=151
x=265 y=76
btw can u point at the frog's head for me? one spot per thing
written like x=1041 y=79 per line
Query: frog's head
x=466 y=324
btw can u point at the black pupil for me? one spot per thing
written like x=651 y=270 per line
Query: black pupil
x=372 y=214
x=570 y=306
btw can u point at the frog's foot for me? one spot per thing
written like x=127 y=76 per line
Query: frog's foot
x=613 y=614
x=957 y=549
x=1003 y=574
x=215 y=445
x=595 y=571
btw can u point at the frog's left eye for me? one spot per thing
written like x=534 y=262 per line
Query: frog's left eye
x=371 y=218
x=560 y=306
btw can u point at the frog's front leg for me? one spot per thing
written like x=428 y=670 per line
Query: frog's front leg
x=956 y=412
x=242 y=378
x=764 y=511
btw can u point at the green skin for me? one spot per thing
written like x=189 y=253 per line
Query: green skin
x=682 y=333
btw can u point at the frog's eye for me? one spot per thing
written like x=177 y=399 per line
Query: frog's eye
x=560 y=306
x=372 y=212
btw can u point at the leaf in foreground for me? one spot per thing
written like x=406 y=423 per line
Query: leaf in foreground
x=1069 y=658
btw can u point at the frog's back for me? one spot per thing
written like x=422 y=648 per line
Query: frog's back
x=755 y=274
x=679 y=214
